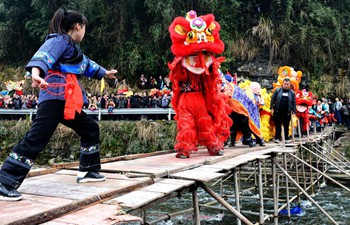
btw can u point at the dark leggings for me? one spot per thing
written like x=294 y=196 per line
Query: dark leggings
x=281 y=119
x=49 y=115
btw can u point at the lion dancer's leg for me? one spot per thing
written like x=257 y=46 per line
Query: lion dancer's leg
x=186 y=127
x=204 y=123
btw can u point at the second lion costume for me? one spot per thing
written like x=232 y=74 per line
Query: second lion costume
x=201 y=112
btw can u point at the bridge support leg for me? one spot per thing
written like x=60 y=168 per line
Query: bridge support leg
x=225 y=204
x=196 y=214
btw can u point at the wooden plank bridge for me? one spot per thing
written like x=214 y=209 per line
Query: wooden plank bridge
x=135 y=185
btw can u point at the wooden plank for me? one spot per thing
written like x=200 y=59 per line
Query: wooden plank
x=40 y=171
x=285 y=150
x=65 y=186
x=184 y=183
x=117 y=176
x=163 y=188
x=211 y=168
x=136 y=199
x=198 y=175
x=11 y=212
x=106 y=216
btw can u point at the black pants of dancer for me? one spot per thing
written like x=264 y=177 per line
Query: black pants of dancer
x=282 y=118
x=49 y=115
x=240 y=122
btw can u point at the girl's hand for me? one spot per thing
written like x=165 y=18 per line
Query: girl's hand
x=37 y=80
x=110 y=74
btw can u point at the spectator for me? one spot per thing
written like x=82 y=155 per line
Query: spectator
x=145 y=100
x=142 y=82
x=121 y=102
x=1 y=101
x=165 y=101
x=134 y=101
x=167 y=80
x=110 y=106
x=160 y=82
x=282 y=107
x=104 y=101
x=336 y=107
x=152 y=82
x=92 y=103
x=345 y=114
x=17 y=102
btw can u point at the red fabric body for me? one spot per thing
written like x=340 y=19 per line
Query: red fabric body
x=202 y=116
x=74 y=97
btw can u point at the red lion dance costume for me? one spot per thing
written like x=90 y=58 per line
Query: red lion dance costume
x=201 y=112
x=303 y=101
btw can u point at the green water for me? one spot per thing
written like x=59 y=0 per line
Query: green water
x=331 y=198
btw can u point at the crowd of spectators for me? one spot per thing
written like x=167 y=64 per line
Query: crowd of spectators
x=143 y=97
x=327 y=112
x=18 y=101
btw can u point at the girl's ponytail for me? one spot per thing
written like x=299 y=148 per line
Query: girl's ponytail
x=62 y=21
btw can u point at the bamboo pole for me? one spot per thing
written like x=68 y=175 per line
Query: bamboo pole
x=347 y=164
x=315 y=131
x=196 y=214
x=261 y=197
x=311 y=175
x=325 y=175
x=308 y=133
x=283 y=136
x=297 y=179
x=287 y=185
x=275 y=197
x=292 y=127
x=238 y=207
x=225 y=204
x=327 y=160
x=299 y=130
x=329 y=157
x=305 y=193
x=303 y=170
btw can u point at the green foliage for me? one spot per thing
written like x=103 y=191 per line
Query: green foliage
x=133 y=36
x=116 y=138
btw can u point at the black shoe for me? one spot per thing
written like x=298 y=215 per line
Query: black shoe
x=232 y=145
x=91 y=177
x=9 y=194
x=262 y=142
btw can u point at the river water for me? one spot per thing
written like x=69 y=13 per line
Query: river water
x=333 y=199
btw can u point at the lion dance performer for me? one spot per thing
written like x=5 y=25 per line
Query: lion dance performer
x=303 y=102
x=201 y=111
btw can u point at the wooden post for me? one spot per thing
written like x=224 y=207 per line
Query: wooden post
x=303 y=169
x=305 y=193
x=292 y=127
x=299 y=130
x=322 y=173
x=287 y=185
x=274 y=186
x=297 y=178
x=225 y=204
x=283 y=136
x=196 y=215
x=221 y=187
x=315 y=131
x=238 y=207
x=311 y=175
x=261 y=197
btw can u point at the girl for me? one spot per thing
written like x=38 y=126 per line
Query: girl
x=55 y=68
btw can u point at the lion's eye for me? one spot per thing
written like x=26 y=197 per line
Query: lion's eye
x=190 y=35
x=209 y=31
